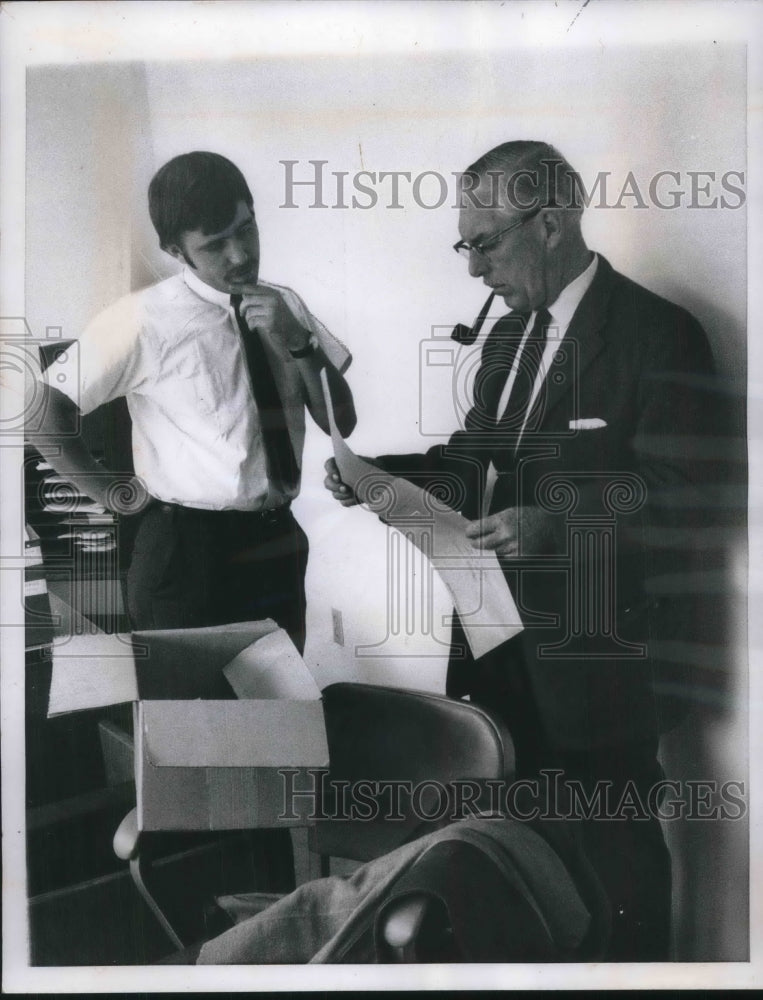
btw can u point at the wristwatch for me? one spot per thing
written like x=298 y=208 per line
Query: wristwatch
x=304 y=352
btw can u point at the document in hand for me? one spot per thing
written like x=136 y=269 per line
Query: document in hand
x=473 y=577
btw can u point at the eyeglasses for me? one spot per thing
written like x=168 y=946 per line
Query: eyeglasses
x=483 y=248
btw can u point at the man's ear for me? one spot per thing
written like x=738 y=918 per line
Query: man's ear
x=179 y=254
x=553 y=225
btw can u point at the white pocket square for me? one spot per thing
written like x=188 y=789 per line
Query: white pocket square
x=587 y=424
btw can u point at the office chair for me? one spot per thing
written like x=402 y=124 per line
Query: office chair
x=391 y=738
x=537 y=901
x=400 y=751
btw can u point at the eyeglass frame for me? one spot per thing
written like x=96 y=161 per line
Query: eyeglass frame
x=463 y=248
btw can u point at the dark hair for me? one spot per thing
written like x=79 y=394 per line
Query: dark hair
x=195 y=191
x=533 y=175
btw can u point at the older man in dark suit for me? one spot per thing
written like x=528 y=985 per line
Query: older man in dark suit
x=581 y=465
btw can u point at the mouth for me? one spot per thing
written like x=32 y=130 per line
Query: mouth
x=505 y=292
x=243 y=275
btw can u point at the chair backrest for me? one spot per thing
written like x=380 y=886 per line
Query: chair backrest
x=421 y=740
x=389 y=733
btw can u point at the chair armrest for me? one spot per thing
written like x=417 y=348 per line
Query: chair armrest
x=402 y=924
x=127 y=837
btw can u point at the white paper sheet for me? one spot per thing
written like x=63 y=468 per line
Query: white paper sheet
x=271 y=667
x=474 y=578
x=92 y=671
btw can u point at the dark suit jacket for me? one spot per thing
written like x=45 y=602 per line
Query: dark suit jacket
x=608 y=602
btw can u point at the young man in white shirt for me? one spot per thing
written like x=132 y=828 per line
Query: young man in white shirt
x=217 y=369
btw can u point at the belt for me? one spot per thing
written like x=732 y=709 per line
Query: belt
x=268 y=516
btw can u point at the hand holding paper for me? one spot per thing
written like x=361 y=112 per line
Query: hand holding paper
x=333 y=483
x=472 y=574
x=501 y=532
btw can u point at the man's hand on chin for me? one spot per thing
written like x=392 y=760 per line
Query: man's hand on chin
x=263 y=309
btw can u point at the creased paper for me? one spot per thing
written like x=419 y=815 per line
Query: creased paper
x=473 y=577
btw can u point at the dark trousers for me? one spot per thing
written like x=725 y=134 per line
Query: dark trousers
x=628 y=853
x=192 y=568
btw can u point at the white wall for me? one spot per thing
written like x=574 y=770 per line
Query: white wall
x=87 y=141
x=381 y=279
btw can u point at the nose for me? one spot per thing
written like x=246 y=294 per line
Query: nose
x=478 y=264
x=238 y=253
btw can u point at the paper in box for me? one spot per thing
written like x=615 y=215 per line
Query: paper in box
x=204 y=760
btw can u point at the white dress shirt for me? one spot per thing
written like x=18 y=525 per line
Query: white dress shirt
x=561 y=310
x=174 y=352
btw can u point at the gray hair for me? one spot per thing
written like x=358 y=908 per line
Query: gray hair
x=526 y=175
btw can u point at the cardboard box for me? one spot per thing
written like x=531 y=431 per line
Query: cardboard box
x=218 y=713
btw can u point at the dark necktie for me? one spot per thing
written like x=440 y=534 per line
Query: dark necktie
x=495 y=364
x=283 y=471
x=517 y=410
x=518 y=414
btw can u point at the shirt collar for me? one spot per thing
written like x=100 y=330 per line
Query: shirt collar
x=205 y=291
x=563 y=309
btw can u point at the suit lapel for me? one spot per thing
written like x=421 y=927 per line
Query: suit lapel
x=584 y=339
